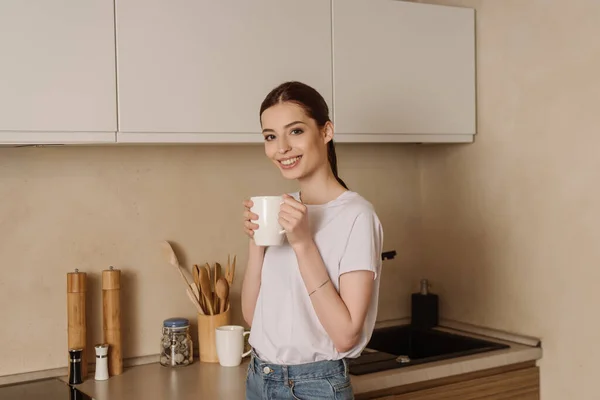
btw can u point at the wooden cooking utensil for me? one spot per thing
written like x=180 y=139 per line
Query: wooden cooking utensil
x=230 y=270
x=194 y=300
x=196 y=293
x=172 y=259
x=205 y=290
x=196 y=273
x=222 y=290
x=218 y=274
x=208 y=271
x=210 y=286
x=228 y=267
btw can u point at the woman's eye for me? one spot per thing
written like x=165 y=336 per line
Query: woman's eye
x=297 y=131
x=268 y=138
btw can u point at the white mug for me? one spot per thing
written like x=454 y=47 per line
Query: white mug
x=230 y=344
x=269 y=232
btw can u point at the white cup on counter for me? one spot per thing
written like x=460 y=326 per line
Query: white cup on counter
x=230 y=345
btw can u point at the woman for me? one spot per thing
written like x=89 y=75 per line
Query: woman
x=312 y=302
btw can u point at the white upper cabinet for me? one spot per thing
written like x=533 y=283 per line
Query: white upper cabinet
x=182 y=71
x=57 y=74
x=197 y=71
x=403 y=72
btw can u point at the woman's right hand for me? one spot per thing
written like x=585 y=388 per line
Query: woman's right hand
x=249 y=216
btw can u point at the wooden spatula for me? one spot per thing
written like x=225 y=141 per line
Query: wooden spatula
x=222 y=290
x=205 y=290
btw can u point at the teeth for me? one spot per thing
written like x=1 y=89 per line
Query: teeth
x=290 y=161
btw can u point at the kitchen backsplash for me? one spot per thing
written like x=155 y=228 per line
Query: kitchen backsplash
x=93 y=207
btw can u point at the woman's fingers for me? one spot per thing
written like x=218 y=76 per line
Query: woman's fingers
x=288 y=226
x=250 y=216
x=250 y=225
x=290 y=211
x=290 y=201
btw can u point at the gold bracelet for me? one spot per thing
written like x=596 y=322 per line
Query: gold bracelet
x=320 y=286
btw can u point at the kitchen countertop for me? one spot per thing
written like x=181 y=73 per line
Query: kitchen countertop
x=211 y=381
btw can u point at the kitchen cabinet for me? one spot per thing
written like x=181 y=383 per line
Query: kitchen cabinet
x=178 y=71
x=403 y=72
x=57 y=72
x=197 y=71
x=515 y=382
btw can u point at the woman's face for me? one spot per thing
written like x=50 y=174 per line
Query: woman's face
x=293 y=141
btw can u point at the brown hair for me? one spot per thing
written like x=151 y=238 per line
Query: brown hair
x=313 y=104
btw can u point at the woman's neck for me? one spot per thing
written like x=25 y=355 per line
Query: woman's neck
x=320 y=188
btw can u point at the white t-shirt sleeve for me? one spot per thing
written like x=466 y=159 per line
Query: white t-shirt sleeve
x=364 y=246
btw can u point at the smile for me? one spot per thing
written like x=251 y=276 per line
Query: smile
x=290 y=162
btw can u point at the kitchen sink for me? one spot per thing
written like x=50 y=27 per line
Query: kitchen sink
x=405 y=345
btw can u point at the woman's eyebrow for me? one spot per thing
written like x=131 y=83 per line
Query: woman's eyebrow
x=286 y=126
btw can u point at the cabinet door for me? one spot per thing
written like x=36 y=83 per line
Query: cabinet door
x=205 y=66
x=57 y=75
x=403 y=69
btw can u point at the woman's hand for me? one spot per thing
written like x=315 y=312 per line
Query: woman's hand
x=249 y=216
x=293 y=217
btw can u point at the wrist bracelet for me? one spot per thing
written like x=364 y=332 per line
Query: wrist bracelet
x=320 y=286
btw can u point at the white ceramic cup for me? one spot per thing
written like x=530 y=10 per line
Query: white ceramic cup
x=230 y=344
x=269 y=232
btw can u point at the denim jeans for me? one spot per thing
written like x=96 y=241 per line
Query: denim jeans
x=321 y=380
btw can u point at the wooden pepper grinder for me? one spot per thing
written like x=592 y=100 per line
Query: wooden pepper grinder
x=111 y=319
x=77 y=323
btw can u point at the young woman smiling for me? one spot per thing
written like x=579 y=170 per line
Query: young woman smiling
x=311 y=303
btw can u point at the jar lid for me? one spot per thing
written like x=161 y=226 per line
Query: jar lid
x=176 y=323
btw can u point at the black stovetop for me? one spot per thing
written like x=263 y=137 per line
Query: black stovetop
x=47 y=389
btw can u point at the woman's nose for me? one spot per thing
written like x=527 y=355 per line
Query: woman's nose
x=284 y=146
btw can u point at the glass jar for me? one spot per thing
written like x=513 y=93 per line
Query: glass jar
x=176 y=347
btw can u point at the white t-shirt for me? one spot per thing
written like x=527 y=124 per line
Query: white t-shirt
x=285 y=328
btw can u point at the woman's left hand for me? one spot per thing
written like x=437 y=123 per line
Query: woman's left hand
x=293 y=217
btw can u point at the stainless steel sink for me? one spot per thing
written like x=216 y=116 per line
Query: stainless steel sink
x=402 y=346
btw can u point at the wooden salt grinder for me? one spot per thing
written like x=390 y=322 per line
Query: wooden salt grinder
x=111 y=319
x=77 y=323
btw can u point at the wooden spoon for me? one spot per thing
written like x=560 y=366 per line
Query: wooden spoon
x=172 y=259
x=194 y=300
x=196 y=272
x=222 y=290
x=205 y=290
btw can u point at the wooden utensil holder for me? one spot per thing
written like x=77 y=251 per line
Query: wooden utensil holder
x=206 y=334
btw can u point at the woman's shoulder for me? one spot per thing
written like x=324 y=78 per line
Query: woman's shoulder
x=357 y=203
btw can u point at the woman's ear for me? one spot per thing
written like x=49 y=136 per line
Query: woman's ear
x=328 y=132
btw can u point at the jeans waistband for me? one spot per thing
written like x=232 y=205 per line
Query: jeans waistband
x=313 y=370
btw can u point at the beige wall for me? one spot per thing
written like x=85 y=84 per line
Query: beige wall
x=512 y=222
x=92 y=207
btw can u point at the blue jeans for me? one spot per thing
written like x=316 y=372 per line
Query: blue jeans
x=321 y=380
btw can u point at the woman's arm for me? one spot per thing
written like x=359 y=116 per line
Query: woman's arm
x=251 y=282
x=342 y=315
